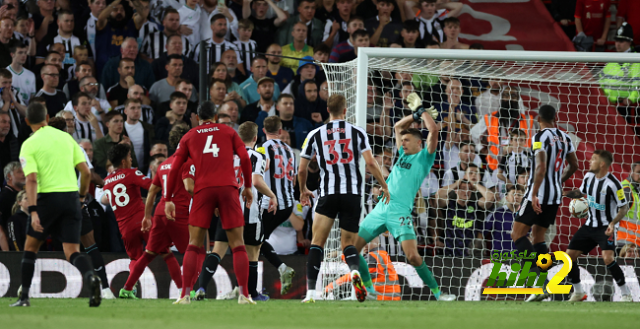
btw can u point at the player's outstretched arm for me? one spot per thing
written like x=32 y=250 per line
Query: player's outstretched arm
x=374 y=169
x=571 y=169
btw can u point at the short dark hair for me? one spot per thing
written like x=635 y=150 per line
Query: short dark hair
x=131 y=100
x=207 y=110
x=473 y=165
x=58 y=123
x=311 y=1
x=112 y=114
x=515 y=188
x=477 y=46
x=257 y=58
x=247 y=131
x=64 y=12
x=216 y=17
x=174 y=56
x=354 y=18
x=77 y=69
x=5 y=73
x=322 y=48
x=285 y=95
x=604 y=155
x=14 y=45
x=38 y=99
x=517 y=132
x=117 y=153
x=336 y=104
x=427 y=1
x=359 y=33
x=36 y=113
x=125 y=60
x=272 y=124
x=412 y=131
x=390 y=2
x=466 y=142
x=213 y=82
x=547 y=113
x=51 y=52
x=411 y=25
x=176 y=133
x=451 y=20
x=76 y=98
x=177 y=95
x=169 y=10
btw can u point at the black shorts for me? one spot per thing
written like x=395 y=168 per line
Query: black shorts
x=60 y=216
x=528 y=216
x=253 y=234
x=587 y=238
x=347 y=206
x=87 y=222
x=270 y=221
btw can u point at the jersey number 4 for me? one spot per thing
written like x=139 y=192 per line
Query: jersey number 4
x=210 y=147
x=120 y=196
x=335 y=156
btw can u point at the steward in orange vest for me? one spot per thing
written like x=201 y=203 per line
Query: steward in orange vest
x=498 y=132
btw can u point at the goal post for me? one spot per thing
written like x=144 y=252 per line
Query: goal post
x=569 y=81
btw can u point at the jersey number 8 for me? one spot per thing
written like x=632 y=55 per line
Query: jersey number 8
x=120 y=196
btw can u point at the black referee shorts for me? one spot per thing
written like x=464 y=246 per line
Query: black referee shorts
x=347 y=206
x=60 y=216
x=587 y=238
x=528 y=216
x=253 y=234
x=270 y=221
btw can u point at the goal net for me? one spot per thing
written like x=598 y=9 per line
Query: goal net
x=456 y=235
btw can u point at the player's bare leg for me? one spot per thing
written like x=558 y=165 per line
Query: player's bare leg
x=190 y=262
x=91 y=248
x=321 y=229
x=240 y=263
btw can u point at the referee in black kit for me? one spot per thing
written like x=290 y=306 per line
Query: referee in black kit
x=48 y=159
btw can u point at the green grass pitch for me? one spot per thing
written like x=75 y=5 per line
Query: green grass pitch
x=156 y=314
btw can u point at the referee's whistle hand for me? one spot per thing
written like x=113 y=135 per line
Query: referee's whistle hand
x=35 y=222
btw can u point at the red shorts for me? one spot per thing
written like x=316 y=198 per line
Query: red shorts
x=208 y=199
x=134 y=242
x=164 y=233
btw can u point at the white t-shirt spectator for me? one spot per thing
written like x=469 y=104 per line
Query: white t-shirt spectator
x=103 y=103
x=191 y=19
x=451 y=157
x=430 y=185
x=449 y=177
x=487 y=103
x=24 y=83
x=136 y=134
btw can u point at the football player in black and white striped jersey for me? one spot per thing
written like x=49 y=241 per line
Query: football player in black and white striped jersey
x=607 y=206
x=550 y=147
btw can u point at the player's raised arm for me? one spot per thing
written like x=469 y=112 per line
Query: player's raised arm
x=415 y=104
x=432 y=138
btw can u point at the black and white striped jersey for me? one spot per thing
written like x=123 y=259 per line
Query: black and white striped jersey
x=432 y=28
x=147 y=113
x=281 y=172
x=84 y=130
x=338 y=147
x=605 y=196
x=215 y=51
x=154 y=45
x=13 y=113
x=69 y=46
x=247 y=52
x=253 y=214
x=23 y=39
x=557 y=144
x=146 y=30
x=512 y=162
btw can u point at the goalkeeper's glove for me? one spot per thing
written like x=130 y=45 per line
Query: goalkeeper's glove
x=415 y=104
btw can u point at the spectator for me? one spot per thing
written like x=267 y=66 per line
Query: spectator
x=265 y=104
x=523 y=177
x=451 y=149
x=87 y=125
x=18 y=222
x=321 y=54
x=285 y=137
x=24 y=81
x=22 y=33
x=72 y=87
x=378 y=108
x=99 y=107
x=144 y=25
x=563 y=12
x=246 y=46
x=629 y=229
x=230 y=108
x=221 y=72
x=6 y=33
x=162 y=89
x=217 y=43
x=626 y=8
x=298 y=128
x=323 y=92
x=115 y=136
x=217 y=9
x=139 y=132
x=298 y=48
x=494 y=127
x=189 y=17
x=336 y=27
x=282 y=75
x=143 y=73
x=489 y=100
x=44 y=19
x=54 y=57
x=593 y=19
x=250 y=86
x=265 y=29
x=306 y=71
x=230 y=59
x=178 y=105
x=630 y=251
x=457 y=158
x=452 y=31
x=113 y=28
x=518 y=157
x=14 y=183
x=360 y=39
x=95 y=8
x=218 y=92
x=148 y=114
x=190 y=70
x=315 y=27
x=453 y=115
x=155 y=44
x=308 y=105
x=117 y=93
x=382 y=29
x=431 y=18
x=355 y=24
x=8 y=97
x=70 y=121
x=159 y=148
x=464 y=203
x=619 y=81
x=54 y=98
x=499 y=224
x=154 y=162
x=409 y=36
x=325 y=9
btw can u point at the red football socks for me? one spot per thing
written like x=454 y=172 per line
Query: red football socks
x=174 y=269
x=136 y=271
x=241 y=267
x=189 y=269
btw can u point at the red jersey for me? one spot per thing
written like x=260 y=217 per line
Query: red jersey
x=211 y=146
x=593 y=13
x=122 y=188
x=181 y=197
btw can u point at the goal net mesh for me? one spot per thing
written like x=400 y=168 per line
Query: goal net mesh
x=458 y=250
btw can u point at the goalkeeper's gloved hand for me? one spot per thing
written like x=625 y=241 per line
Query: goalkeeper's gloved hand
x=415 y=104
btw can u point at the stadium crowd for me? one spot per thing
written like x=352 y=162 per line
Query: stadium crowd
x=128 y=71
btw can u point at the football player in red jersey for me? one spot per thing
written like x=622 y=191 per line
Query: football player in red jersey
x=165 y=233
x=212 y=146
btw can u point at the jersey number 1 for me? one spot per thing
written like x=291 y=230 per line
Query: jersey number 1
x=335 y=156
x=210 y=147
